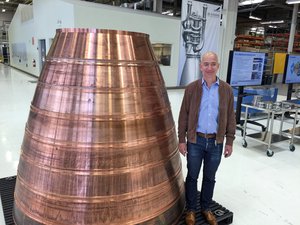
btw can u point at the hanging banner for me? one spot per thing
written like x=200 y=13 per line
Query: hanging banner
x=200 y=28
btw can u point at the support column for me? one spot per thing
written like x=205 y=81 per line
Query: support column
x=157 y=6
x=293 y=28
x=229 y=18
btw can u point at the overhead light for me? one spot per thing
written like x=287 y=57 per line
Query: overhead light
x=292 y=1
x=168 y=12
x=7 y=0
x=3 y=10
x=250 y=2
x=272 y=26
x=254 y=17
x=272 y=22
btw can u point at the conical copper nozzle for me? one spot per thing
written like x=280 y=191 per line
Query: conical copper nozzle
x=100 y=144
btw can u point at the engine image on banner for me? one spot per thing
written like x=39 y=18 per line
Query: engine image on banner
x=200 y=27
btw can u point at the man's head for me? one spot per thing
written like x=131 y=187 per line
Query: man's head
x=209 y=65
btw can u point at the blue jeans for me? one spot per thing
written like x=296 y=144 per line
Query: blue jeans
x=210 y=153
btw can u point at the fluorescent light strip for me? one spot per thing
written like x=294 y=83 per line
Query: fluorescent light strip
x=272 y=22
x=254 y=17
x=292 y=2
x=250 y=2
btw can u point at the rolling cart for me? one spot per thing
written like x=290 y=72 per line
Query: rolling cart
x=295 y=131
x=268 y=137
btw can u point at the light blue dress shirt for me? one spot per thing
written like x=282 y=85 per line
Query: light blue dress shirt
x=209 y=108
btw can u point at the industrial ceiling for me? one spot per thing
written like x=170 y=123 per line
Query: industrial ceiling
x=267 y=10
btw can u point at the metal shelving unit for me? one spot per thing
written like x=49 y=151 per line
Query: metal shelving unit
x=294 y=131
x=268 y=137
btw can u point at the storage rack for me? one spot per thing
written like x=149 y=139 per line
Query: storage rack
x=268 y=137
x=278 y=42
x=295 y=131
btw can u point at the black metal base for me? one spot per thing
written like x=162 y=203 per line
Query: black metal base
x=7 y=188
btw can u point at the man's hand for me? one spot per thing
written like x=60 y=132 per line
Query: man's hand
x=182 y=148
x=227 y=151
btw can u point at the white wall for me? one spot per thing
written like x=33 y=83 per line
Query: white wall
x=47 y=17
x=162 y=29
x=52 y=14
x=20 y=41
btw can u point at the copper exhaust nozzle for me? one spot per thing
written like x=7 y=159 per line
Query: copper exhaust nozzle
x=100 y=143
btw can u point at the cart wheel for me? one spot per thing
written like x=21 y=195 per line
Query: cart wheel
x=270 y=153
x=263 y=129
x=244 y=144
x=292 y=147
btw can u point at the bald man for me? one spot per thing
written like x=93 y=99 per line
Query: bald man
x=206 y=119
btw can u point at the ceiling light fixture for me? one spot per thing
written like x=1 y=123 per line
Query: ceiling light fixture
x=292 y=2
x=249 y=2
x=254 y=17
x=272 y=22
x=3 y=10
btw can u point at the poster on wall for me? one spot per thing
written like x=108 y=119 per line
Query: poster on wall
x=200 y=28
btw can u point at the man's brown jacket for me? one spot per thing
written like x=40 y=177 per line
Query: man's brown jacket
x=189 y=112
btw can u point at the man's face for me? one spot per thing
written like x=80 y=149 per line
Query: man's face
x=209 y=66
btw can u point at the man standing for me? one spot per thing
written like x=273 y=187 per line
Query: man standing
x=206 y=117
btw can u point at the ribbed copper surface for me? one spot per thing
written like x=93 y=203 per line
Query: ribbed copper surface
x=99 y=144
